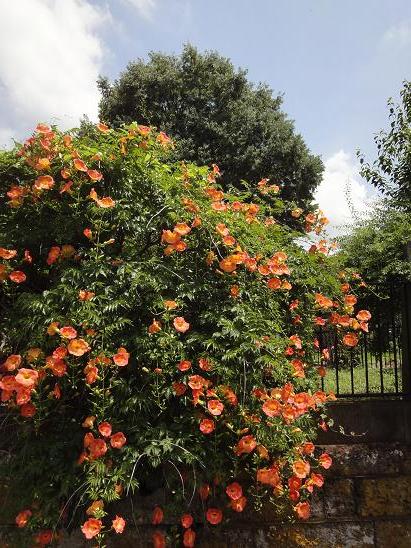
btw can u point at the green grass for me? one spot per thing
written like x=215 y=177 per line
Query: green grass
x=374 y=380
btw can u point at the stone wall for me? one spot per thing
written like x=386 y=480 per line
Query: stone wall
x=366 y=500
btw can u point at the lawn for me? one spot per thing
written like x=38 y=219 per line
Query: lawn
x=359 y=380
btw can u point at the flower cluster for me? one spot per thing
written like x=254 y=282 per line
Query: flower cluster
x=158 y=333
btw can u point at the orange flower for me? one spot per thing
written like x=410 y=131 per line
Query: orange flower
x=122 y=357
x=274 y=283
x=94 y=174
x=44 y=537
x=53 y=255
x=238 y=505
x=350 y=300
x=79 y=165
x=350 y=339
x=43 y=128
x=325 y=460
x=78 y=347
x=157 y=516
x=214 y=516
x=28 y=410
x=91 y=372
x=228 y=265
x=88 y=422
x=91 y=528
x=7 y=253
x=179 y=388
x=181 y=325
x=17 y=276
x=170 y=305
x=302 y=509
x=308 y=448
x=97 y=448
x=363 y=315
x=87 y=233
x=163 y=139
x=182 y=229
x=12 y=362
x=118 y=440
x=196 y=382
x=23 y=517
x=215 y=407
x=44 y=182
x=184 y=365
x=95 y=507
x=159 y=539
x=103 y=127
x=301 y=468
x=68 y=332
x=234 y=491
x=189 y=538
x=106 y=202
x=85 y=295
x=207 y=426
x=187 y=521
x=155 y=327
x=296 y=341
x=317 y=479
x=323 y=302
x=246 y=444
x=204 y=491
x=268 y=476
x=234 y=291
x=118 y=524
x=27 y=377
x=57 y=366
x=105 y=429
x=170 y=237
x=272 y=408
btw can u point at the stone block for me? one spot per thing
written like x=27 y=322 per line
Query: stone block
x=391 y=534
x=350 y=534
x=385 y=496
x=368 y=459
x=339 y=498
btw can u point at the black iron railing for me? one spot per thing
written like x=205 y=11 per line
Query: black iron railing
x=380 y=364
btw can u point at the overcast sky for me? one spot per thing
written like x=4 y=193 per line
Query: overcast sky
x=335 y=62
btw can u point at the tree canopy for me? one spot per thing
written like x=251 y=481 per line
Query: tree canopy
x=390 y=173
x=216 y=116
x=377 y=246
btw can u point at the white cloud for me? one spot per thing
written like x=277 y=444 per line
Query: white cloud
x=342 y=195
x=144 y=7
x=50 y=57
x=398 y=35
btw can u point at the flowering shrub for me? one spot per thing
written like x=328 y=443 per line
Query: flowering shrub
x=156 y=332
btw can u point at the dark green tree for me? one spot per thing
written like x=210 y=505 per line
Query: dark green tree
x=390 y=173
x=216 y=116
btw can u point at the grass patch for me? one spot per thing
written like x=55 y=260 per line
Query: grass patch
x=359 y=381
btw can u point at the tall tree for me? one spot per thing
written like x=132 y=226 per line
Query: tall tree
x=390 y=173
x=216 y=116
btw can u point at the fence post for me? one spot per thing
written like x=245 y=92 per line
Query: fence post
x=406 y=334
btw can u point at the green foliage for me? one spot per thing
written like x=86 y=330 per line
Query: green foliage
x=377 y=247
x=216 y=115
x=98 y=261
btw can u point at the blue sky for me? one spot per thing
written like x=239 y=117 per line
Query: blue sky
x=335 y=62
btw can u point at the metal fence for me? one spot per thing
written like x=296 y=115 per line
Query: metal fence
x=380 y=364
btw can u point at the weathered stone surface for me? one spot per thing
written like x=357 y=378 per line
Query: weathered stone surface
x=321 y=535
x=390 y=534
x=339 y=498
x=385 y=496
x=368 y=460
